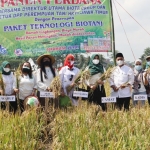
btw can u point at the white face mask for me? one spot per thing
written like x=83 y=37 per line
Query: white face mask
x=120 y=62
x=95 y=61
x=6 y=69
x=72 y=62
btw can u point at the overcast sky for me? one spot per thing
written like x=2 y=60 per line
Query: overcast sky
x=139 y=39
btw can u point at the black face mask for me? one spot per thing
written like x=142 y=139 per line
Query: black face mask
x=46 y=63
x=25 y=70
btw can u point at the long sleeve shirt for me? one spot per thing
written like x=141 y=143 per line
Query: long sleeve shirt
x=26 y=86
x=9 y=83
x=120 y=76
x=42 y=86
x=68 y=76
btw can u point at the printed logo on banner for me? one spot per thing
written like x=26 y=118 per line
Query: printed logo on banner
x=7 y=98
x=108 y=99
x=47 y=94
x=140 y=97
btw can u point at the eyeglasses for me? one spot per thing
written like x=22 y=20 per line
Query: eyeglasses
x=71 y=77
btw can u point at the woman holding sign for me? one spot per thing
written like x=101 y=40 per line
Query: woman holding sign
x=45 y=75
x=140 y=80
x=8 y=85
x=26 y=85
x=68 y=74
x=96 y=70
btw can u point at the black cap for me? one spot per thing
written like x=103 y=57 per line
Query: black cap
x=119 y=55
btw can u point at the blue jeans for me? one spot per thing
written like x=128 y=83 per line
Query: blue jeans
x=136 y=102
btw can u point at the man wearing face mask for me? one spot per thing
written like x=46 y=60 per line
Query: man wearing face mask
x=121 y=80
x=8 y=87
x=45 y=75
x=96 y=70
x=140 y=80
x=68 y=74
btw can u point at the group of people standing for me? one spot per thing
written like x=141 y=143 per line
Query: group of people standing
x=121 y=80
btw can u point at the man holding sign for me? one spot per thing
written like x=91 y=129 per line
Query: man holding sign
x=121 y=80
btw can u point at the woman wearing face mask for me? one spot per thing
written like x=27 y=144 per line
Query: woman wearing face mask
x=45 y=75
x=121 y=80
x=27 y=84
x=148 y=78
x=68 y=74
x=9 y=82
x=96 y=70
x=140 y=79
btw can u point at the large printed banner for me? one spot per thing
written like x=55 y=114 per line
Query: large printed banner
x=33 y=27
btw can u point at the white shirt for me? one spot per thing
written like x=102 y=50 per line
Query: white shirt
x=68 y=76
x=9 y=83
x=26 y=86
x=120 y=76
x=142 y=87
x=42 y=86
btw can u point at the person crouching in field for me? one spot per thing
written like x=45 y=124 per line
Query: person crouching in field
x=27 y=84
x=9 y=85
x=121 y=80
x=45 y=75
x=140 y=80
x=96 y=70
x=68 y=74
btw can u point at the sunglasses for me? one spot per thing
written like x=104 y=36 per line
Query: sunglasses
x=71 y=77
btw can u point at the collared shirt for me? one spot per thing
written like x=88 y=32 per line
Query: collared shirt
x=9 y=83
x=120 y=76
x=67 y=76
x=26 y=86
x=42 y=86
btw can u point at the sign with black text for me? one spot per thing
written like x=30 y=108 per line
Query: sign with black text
x=140 y=97
x=47 y=94
x=80 y=94
x=7 y=98
x=108 y=99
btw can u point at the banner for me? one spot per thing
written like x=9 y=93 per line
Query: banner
x=34 y=27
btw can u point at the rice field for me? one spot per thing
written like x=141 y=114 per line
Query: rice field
x=84 y=127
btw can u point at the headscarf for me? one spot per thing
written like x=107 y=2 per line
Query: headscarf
x=67 y=63
x=138 y=77
x=95 y=68
x=138 y=60
x=4 y=64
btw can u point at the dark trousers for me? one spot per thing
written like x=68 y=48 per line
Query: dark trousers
x=41 y=99
x=125 y=101
x=149 y=100
x=96 y=95
x=21 y=105
x=13 y=106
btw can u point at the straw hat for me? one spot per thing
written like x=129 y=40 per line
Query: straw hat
x=147 y=57
x=45 y=55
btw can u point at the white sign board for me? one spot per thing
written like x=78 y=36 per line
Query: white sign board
x=80 y=94
x=7 y=98
x=140 y=97
x=108 y=99
x=47 y=94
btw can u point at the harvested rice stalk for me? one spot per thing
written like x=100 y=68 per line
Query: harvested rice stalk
x=17 y=74
x=1 y=84
x=83 y=76
x=56 y=86
x=106 y=75
x=148 y=71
